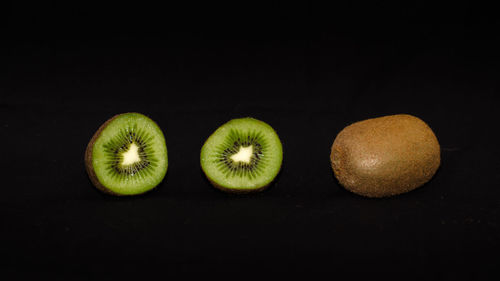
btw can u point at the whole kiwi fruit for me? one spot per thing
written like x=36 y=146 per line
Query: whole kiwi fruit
x=385 y=156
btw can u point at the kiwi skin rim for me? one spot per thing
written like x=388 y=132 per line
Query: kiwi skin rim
x=88 y=159
x=240 y=191
x=243 y=191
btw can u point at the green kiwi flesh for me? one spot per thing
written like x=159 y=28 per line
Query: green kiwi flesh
x=244 y=155
x=127 y=155
x=385 y=156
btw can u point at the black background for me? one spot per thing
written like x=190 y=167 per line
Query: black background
x=306 y=69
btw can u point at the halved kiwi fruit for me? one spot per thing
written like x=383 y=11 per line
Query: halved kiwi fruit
x=244 y=155
x=127 y=155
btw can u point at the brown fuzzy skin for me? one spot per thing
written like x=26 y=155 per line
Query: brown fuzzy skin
x=385 y=156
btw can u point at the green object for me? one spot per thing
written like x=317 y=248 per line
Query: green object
x=127 y=155
x=243 y=155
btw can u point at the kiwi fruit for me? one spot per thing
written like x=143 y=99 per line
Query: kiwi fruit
x=385 y=156
x=127 y=155
x=242 y=156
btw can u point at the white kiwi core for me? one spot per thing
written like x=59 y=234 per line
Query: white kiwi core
x=244 y=155
x=131 y=156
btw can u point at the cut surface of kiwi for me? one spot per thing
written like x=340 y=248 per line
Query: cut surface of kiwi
x=243 y=155
x=127 y=155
